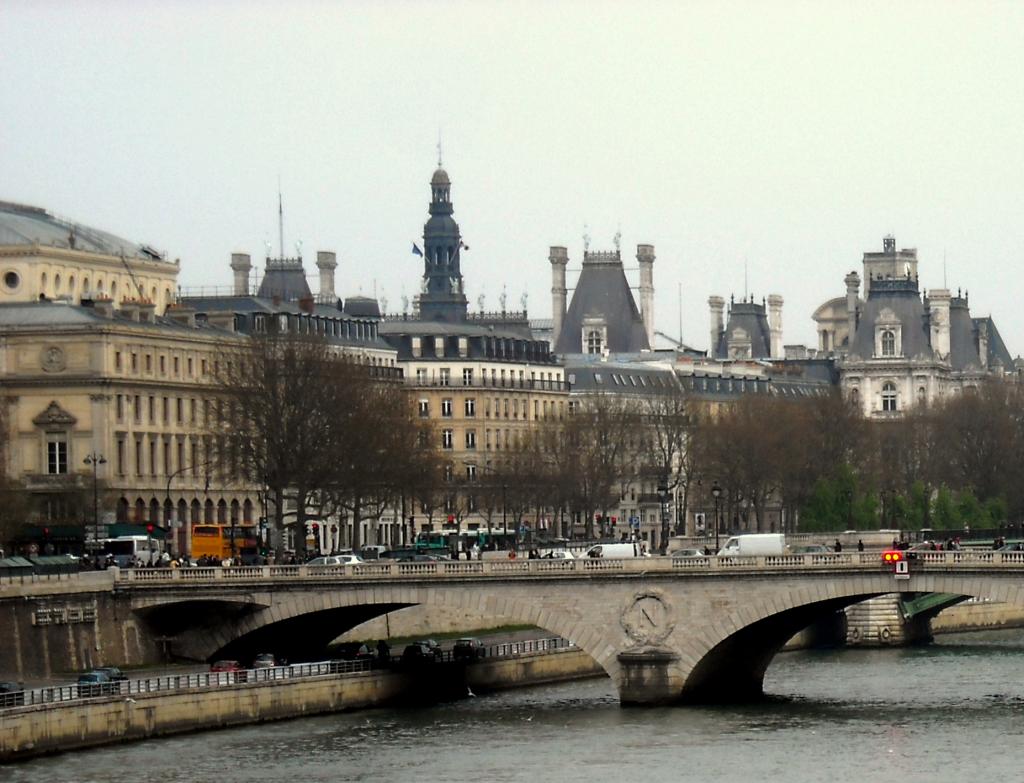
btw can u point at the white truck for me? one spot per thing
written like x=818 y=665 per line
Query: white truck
x=628 y=549
x=754 y=544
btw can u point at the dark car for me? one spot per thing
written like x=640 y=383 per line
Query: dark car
x=264 y=661
x=94 y=684
x=12 y=694
x=225 y=666
x=354 y=651
x=114 y=673
x=433 y=646
x=467 y=649
x=418 y=652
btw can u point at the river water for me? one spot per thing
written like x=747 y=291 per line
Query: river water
x=946 y=712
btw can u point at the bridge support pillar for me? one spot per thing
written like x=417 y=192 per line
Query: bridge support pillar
x=649 y=676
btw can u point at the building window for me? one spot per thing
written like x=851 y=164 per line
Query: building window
x=446 y=376
x=467 y=377
x=135 y=362
x=120 y=456
x=138 y=409
x=449 y=472
x=163 y=365
x=149 y=362
x=470 y=472
x=120 y=407
x=117 y=360
x=421 y=376
x=424 y=409
x=470 y=407
x=177 y=365
x=56 y=453
x=593 y=341
x=470 y=439
x=446 y=407
x=888 y=343
x=446 y=439
x=922 y=396
x=889 y=397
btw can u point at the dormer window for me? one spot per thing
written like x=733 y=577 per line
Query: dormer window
x=594 y=343
x=888 y=343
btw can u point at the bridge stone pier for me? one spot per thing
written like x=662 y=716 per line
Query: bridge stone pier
x=665 y=630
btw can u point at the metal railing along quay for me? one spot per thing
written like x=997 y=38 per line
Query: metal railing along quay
x=126 y=689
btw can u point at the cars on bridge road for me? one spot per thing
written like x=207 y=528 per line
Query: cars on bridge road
x=468 y=649
x=687 y=553
x=335 y=560
x=559 y=554
x=810 y=549
x=225 y=665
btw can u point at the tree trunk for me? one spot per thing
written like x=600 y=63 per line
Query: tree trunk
x=357 y=508
x=300 y=525
x=279 y=523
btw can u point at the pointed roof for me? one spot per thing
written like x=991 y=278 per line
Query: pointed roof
x=602 y=291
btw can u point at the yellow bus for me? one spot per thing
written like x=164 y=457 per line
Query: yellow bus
x=214 y=540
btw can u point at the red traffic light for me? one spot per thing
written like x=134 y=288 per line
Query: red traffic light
x=46 y=532
x=892 y=556
x=149 y=528
x=316 y=527
x=451 y=517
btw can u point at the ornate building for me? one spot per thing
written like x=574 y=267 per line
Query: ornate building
x=908 y=347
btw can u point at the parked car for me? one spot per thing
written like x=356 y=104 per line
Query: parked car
x=682 y=553
x=114 y=673
x=94 y=684
x=264 y=661
x=560 y=554
x=226 y=666
x=418 y=652
x=434 y=647
x=335 y=560
x=12 y=694
x=468 y=649
x=354 y=651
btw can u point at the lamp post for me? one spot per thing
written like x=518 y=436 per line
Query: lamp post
x=716 y=492
x=663 y=498
x=95 y=460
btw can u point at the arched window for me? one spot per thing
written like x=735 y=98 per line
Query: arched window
x=197 y=513
x=889 y=397
x=888 y=343
x=56 y=285
x=222 y=512
x=208 y=511
x=593 y=341
x=122 y=509
x=247 y=511
x=922 y=395
x=113 y=290
x=855 y=396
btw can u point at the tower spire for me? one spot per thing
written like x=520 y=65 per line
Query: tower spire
x=280 y=217
x=439 y=163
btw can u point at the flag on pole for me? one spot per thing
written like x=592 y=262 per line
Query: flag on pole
x=416 y=250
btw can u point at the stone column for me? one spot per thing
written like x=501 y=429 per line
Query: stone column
x=852 y=281
x=645 y=258
x=717 y=307
x=775 y=325
x=938 y=319
x=559 y=258
x=241 y=265
x=326 y=262
x=649 y=676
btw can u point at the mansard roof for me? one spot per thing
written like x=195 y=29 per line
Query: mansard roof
x=602 y=291
x=900 y=301
x=752 y=319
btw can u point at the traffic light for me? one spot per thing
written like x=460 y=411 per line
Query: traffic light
x=892 y=556
x=149 y=529
x=46 y=532
x=615 y=521
x=316 y=528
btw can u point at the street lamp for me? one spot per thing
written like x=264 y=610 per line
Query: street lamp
x=663 y=497
x=716 y=492
x=95 y=460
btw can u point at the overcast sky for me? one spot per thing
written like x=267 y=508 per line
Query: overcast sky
x=790 y=137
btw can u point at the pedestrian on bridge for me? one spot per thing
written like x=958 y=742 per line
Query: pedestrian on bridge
x=839 y=546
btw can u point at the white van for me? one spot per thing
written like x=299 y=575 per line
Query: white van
x=754 y=544
x=629 y=549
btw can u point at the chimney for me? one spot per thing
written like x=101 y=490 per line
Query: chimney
x=241 y=265
x=327 y=262
x=181 y=314
x=983 y=344
x=645 y=258
x=938 y=320
x=104 y=307
x=852 y=281
x=775 y=325
x=306 y=304
x=717 y=306
x=559 y=258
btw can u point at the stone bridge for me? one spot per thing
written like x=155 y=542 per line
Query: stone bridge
x=664 y=629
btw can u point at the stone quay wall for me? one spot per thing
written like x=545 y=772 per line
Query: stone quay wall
x=26 y=732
